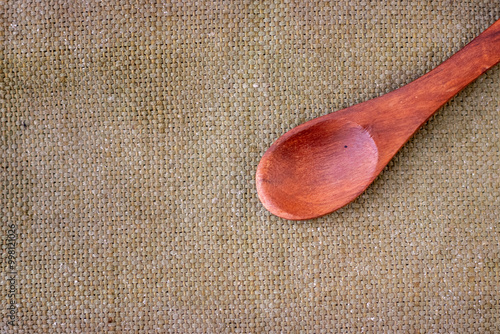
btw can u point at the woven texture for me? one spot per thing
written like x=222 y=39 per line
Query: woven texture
x=131 y=133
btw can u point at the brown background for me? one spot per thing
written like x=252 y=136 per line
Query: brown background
x=130 y=136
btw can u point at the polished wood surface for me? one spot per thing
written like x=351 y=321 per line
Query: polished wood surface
x=324 y=164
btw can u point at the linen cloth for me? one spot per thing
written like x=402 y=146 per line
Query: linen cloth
x=131 y=132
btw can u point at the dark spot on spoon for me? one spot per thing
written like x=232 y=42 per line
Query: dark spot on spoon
x=345 y=146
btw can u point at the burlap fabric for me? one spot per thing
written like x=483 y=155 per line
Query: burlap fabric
x=131 y=132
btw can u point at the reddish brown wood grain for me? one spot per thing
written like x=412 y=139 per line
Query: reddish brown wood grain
x=324 y=164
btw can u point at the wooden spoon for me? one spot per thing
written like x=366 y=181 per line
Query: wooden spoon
x=324 y=164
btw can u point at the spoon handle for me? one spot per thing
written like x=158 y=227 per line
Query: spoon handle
x=400 y=113
x=439 y=85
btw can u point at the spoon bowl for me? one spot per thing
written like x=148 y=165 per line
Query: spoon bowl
x=324 y=164
x=310 y=164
